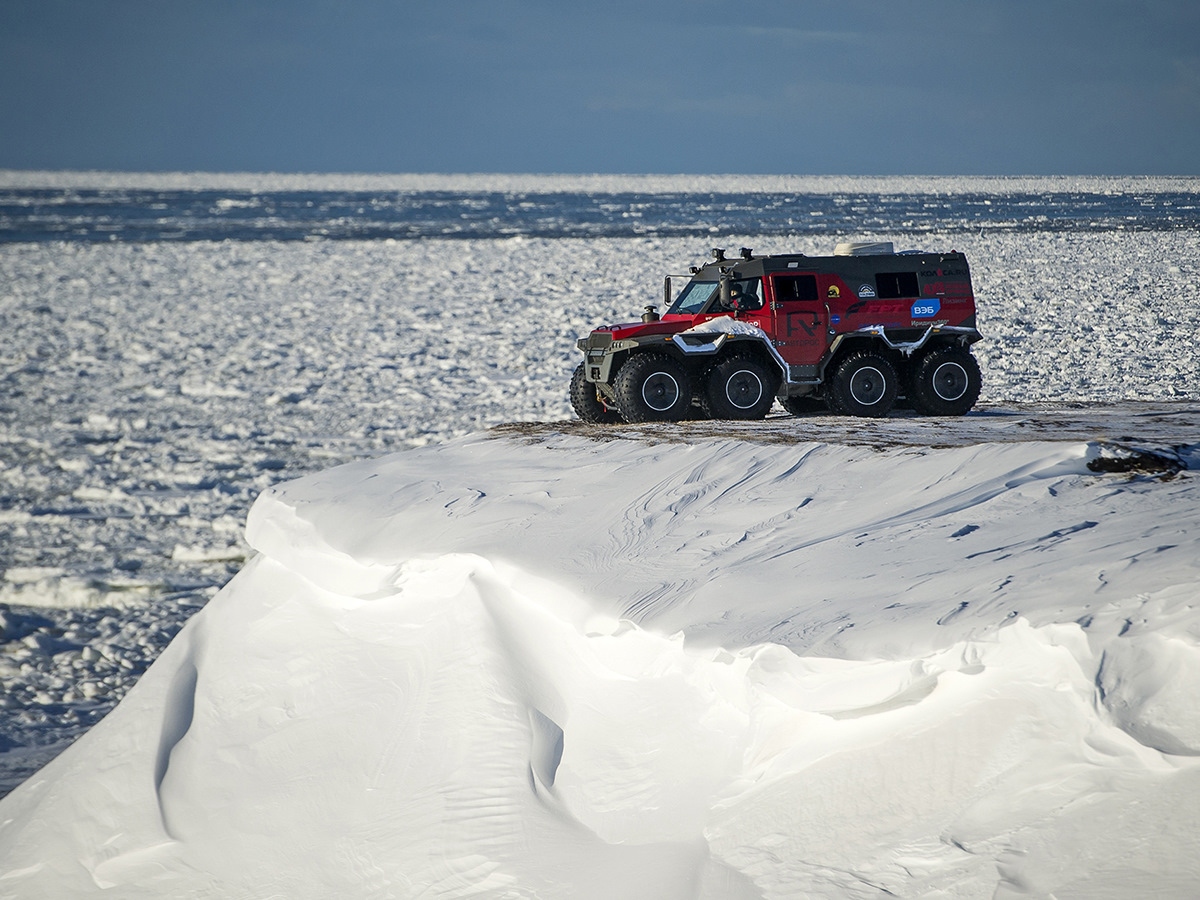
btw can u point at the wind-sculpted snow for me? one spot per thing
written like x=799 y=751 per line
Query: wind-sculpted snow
x=563 y=667
x=700 y=537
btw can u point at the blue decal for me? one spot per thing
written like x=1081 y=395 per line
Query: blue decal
x=835 y=319
x=926 y=309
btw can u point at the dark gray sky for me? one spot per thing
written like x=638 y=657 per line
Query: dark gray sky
x=663 y=86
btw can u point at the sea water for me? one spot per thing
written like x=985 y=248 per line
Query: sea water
x=205 y=214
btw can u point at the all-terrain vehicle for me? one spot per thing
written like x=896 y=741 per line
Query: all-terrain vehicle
x=854 y=332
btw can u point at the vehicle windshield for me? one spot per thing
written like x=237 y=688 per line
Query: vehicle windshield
x=696 y=296
x=693 y=297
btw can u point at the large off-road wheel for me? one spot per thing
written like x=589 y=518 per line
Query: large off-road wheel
x=806 y=405
x=945 y=382
x=739 y=387
x=587 y=403
x=651 y=387
x=864 y=384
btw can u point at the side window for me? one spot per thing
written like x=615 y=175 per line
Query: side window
x=892 y=285
x=752 y=288
x=747 y=292
x=790 y=288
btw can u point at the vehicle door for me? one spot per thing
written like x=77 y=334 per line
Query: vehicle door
x=800 y=318
x=752 y=304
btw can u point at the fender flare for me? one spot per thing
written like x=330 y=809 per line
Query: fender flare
x=713 y=347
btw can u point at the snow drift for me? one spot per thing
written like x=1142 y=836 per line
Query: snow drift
x=573 y=668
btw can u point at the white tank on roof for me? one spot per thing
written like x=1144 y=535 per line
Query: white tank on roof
x=872 y=248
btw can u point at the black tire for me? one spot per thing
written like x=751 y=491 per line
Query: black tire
x=738 y=387
x=864 y=384
x=587 y=402
x=651 y=387
x=806 y=405
x=946 y=382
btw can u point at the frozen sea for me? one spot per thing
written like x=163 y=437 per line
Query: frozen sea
x=177 y=344
x=289 y=208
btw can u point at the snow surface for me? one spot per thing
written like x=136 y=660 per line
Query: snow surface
x=556 y=666
x=966 y=671
x=726 y=325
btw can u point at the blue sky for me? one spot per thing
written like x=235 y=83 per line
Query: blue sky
x=664 y=86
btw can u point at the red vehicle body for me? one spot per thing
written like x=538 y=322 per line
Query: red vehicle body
x=854 y=332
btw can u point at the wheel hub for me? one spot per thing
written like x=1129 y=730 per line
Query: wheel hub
x=868 y=385
x=743 y=389
x=950 y=381
x=660 y=391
